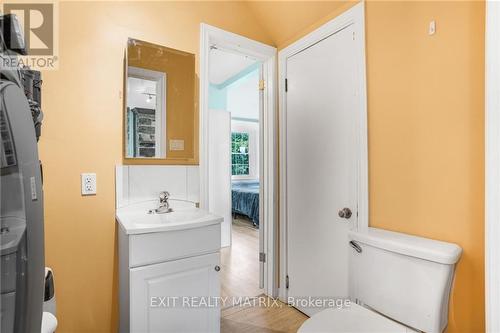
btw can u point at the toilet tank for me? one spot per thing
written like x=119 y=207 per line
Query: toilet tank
x=403 y=277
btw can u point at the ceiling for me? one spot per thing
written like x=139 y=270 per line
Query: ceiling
x=141 y=93
x=224 y=65
x=286 y=20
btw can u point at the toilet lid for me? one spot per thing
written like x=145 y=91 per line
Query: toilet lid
x=353 y=319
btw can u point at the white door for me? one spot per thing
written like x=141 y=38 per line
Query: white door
x=220 y=170
x=321 y=141
x=155 y=288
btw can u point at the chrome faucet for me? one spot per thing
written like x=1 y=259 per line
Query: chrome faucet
x=164 y=206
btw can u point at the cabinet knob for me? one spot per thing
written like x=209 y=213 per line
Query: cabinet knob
x=217 y=268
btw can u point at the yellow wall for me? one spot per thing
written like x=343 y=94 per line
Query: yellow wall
x=426 y=130
x=426 y=134
x=82 y=132
x=426 y=113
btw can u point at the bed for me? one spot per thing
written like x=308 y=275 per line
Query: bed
x=245 y=199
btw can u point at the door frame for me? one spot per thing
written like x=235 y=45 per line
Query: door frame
x=492 y=165
x=210 y=35
x=354 y=16
x=161 y=105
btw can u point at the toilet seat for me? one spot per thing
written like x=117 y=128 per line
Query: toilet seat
x=353 y=319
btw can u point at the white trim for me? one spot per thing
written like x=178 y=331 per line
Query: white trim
x=161 y=106
x=209 y=36
x=354 y=16
x=492 y=184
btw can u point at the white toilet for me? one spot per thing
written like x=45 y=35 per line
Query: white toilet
x=401 y=283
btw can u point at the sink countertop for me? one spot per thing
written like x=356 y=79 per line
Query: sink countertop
x=134 y=218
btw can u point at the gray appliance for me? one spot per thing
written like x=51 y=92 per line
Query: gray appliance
x=22 y=274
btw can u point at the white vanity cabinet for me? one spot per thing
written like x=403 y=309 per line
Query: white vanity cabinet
x=168 y=288
x=169 y=277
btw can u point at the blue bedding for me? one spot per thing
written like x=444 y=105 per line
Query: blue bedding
x=245 y=199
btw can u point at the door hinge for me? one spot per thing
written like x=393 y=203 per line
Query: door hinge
x=262 y=84
x=286 y=85
x=262 y=257
x=353 y=35
x=287 y=282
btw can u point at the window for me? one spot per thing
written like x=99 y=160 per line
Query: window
x=240 y=165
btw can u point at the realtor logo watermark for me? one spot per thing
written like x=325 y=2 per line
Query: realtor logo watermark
x=39 y=22
x=246 y=301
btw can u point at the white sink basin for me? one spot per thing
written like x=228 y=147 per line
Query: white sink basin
x=136 y=219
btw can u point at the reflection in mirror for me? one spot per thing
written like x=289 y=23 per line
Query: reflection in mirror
x=146 y=113
x=159 y=108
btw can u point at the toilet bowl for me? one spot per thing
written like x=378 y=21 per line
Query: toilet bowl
x=403 y=283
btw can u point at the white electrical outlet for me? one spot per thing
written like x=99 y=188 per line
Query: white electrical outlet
x=89 y=184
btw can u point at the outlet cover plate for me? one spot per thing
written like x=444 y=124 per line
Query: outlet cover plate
x=89 y=184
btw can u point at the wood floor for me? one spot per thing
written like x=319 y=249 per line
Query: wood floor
x=240 y=262
x=240 y=277
x=254 y=319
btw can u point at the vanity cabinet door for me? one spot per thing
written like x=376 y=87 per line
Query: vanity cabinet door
x=168 y=297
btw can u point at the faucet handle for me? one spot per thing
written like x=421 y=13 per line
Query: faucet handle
x=164 y=195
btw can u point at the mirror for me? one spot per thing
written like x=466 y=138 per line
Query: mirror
x=159 y=105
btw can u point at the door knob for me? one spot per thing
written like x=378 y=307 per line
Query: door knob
x=345 y=213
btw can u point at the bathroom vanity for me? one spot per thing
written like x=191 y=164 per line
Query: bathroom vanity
x=168 y=266
x=168 y=260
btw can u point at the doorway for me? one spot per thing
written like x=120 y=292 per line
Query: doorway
x=146 y=113
x=237 y=156
x=234 y=166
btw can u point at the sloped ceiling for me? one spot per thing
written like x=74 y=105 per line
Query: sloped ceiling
x=285 y=21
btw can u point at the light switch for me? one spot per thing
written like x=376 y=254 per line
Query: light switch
x=432 y=28
x=89 y=184
x=176 y=144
